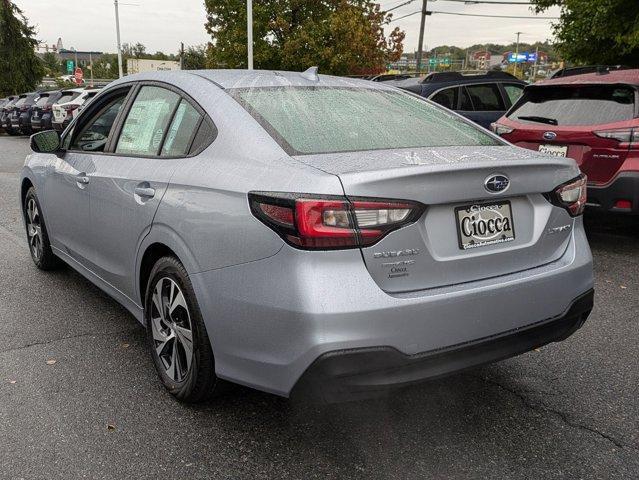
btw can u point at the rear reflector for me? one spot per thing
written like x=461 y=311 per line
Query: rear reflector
x=572 y=195
x=623 y=204
x=331 y=222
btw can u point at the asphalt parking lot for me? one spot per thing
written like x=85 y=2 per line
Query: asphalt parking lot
x=79 y=397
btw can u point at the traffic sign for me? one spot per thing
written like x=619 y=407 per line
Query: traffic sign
x=78 y=75
x=70 y=66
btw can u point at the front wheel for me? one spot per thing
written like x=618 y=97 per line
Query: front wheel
x=176 y=333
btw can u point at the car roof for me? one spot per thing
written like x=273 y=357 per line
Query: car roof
x=614 y=76
x=255 y=79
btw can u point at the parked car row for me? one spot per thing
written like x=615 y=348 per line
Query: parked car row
x=34 y=111
x=590 y=114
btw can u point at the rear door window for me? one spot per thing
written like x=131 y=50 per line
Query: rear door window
x=465 y=104
x=513 y=92
x=486 y=97
x=447 y=98
x=576 y=105
x=147 y=122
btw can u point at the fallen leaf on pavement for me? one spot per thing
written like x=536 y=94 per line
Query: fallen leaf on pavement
x=12 y=381
x=51 y=362
x=110 y=427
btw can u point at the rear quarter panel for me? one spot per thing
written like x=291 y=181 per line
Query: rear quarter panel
x=204 y=213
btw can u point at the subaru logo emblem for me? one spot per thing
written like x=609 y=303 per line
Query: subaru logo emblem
x=549 y=135
x=496 y=183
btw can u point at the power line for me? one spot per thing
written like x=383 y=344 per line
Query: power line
x=487 y=2
x=400 y=5
x=475 y=15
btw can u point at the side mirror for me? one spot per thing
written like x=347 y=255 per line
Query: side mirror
x=47 y=141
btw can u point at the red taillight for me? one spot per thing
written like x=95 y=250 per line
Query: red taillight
x=572 y=195
x=24 y=108
x=330 y=222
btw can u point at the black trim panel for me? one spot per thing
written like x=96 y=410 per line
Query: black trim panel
x=624 y=187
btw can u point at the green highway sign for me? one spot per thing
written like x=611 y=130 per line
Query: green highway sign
x=70 y=66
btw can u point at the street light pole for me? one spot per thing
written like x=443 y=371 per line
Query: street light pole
x=249 y=32
x=117 y=30
x=517 y=54
x=420 y=46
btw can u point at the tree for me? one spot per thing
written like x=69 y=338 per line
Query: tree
x=596 y=32
x=52 y=64
x=339 y=36
x=20 y=68
x=195 y=57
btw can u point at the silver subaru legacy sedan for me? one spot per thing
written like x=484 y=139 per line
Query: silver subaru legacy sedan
x=309 y=235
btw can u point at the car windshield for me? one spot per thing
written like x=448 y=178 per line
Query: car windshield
x=575 y=105
x=309 y=120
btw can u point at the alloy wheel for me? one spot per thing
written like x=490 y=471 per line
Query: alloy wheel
x=172 y=329
x=34 y=229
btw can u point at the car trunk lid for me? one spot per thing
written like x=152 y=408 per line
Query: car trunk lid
x=450 y=182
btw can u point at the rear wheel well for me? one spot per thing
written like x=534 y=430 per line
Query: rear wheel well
x=26 y=185
x=152 y=254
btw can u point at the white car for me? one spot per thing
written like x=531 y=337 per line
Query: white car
x=63 y=113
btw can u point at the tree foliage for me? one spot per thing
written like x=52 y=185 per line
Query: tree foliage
x=20 y=69
x=597 y=32
x=339 y=36
x=195 y=57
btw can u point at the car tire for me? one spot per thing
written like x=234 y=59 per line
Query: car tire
x=37 y=235
x=172 y=316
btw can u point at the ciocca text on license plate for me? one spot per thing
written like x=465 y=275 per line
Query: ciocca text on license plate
x=483 y=224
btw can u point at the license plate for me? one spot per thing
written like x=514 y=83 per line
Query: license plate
x=554 y=150
x=483 y=224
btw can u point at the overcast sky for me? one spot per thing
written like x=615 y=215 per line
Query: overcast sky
x=163 y=24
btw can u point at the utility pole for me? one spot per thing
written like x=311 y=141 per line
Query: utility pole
x=420 y=46
x=517 y=54
x=117 y=31
x=535 y=66
x=181 y=55
x=249 y=32
x=91 y=67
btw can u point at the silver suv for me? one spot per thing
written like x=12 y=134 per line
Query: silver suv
x=309 y=234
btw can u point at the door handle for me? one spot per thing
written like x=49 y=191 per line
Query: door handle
x=82 y=179
x=145 y=192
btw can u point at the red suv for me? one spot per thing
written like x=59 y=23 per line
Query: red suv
x=592 y=118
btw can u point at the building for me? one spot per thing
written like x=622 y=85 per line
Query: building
x=138 y=65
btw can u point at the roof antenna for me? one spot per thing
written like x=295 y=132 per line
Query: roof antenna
x=310 y=74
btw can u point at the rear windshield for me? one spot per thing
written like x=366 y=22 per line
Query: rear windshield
x=42 y=101
x=20 y=102
x=67 y=97
x=570 y=105
x=307 y=120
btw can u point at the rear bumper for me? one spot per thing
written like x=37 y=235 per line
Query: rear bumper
x=369 y=372
x=624 y=187
x=270 y=320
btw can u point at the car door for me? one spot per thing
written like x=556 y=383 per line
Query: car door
x=487 y=102
x=67 y=186
x=128 y=184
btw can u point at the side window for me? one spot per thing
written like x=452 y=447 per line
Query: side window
x=466 y=105
x=486 y=97
x=181 y=131
x=205 y=135
x=94 y=134
x=447 y=98
x=147 y=122
x=513 y=92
